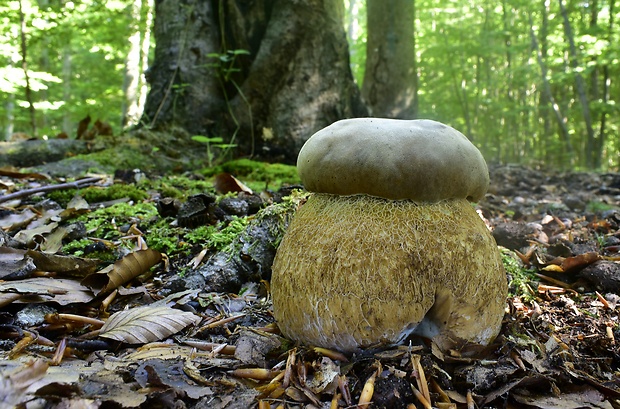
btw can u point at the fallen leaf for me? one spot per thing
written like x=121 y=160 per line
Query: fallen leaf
x=226 y=183
x=14 y=173
x=66 y=265
x=44 y=289
x=15 y=221
x=146 y=324
x=14 y=262
x=14 y=385
x=27 y=236
x=123 y=271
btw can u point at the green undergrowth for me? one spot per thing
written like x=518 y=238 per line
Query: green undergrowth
x=178 y=186
x=114 y=158
x=598 y=207
x=98 y=194
x=522 y=281
x=112 y=225
x=257 y=175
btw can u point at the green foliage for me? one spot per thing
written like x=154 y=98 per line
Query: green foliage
x=178 y=186
x=597 y=207
x=116 y=191
x=223 y=65
x=106 y=222
x=217 y=237
x=478 y=71
x=214 y=143
x=523 y=282
x=78 y=248
x=96 y=194
x=123 y=157
x=256 y=173
x=76 y=56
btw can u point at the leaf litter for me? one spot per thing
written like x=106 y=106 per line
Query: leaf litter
x=143 y=328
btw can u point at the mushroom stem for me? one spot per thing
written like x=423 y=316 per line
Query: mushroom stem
x=356 y=271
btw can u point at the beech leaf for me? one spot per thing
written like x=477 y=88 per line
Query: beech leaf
x=123 y=271
x=146 y=324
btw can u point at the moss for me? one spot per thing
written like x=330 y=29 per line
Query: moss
x=257 y=175
x=166 y=239
x=104 y=223
x=522 y=281
x=218 y=237
x=178 y=186
x=117 y=158
x=95 y=194
x=62 y=197
x=597 y=207
x=87 y=248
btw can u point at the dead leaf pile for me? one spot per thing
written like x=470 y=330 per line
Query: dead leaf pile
x=77 y=332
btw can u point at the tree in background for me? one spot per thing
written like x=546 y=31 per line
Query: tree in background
x=265 y=75
x=76 y=53
x=136 y=63
x=518 y=77
x=390 y=76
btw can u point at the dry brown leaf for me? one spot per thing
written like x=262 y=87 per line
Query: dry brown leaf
x=15 y=173
x=27 y=236
x=13 y=386
x=16 y=221
x=44 y=289
x=65 y=265
x=146 y=324
x=123 y=271
x=580 y=261
x=226 y=183
x=14 y=262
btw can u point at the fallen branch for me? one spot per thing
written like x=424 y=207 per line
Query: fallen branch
x=72 y=185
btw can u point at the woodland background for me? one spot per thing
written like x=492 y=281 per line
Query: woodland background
x=531 y=82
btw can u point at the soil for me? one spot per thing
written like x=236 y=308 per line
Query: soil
x=220 y=348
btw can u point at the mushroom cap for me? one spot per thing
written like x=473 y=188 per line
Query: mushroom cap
x=421 y=160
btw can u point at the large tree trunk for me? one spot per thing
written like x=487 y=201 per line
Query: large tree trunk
x=294 y=80
x=390 y=78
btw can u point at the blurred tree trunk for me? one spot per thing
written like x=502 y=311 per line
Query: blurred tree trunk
x=67 y=75
x=606 y=93
x=24 y=51
x=390 y=79
x=548 y=95
x=292 y=79
x=144 y=55
x=131 y=85
x=136 y=62
x=580 y=86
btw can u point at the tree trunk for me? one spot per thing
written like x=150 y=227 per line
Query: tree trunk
x=294 y=79
x=144 y=55
x=390 y=78
x=606 y=93
x=561 y=121
x=67 y=124
x=131 y=85
x=23 y=49
x=580 y=85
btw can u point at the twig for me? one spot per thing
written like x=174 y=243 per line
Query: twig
x=77 y=184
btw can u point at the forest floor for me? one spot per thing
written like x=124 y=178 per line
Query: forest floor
x=128 y=293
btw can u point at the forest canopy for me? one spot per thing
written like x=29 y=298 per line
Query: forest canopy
x=528 y=82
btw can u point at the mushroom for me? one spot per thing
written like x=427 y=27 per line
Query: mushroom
x=388 y=244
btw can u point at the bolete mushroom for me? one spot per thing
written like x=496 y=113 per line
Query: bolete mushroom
x=389 y=244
